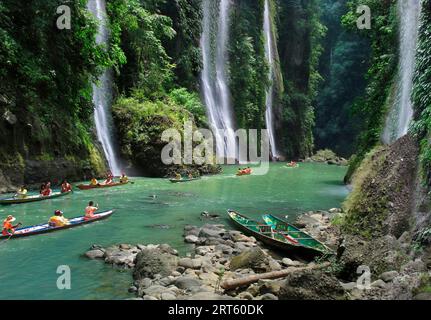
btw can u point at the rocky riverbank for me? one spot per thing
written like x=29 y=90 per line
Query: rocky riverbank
x=220 y=257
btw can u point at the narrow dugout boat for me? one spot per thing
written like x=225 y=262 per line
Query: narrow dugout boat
x=18 y=200
x=295 y=241
x=45 y=228
x=101 y=186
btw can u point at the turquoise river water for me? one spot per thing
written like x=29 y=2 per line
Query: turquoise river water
x=28 y=266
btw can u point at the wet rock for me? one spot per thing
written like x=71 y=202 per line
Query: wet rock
x=191 y=239
x=133 y=289
x=95 y=254
x=120 y=258
x=150 y=298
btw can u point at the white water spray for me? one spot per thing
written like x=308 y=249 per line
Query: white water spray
x=401 y=114
x=214 y=77
x=102 y=94
x=269 y=115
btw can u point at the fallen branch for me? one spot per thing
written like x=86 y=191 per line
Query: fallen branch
x=232 y=284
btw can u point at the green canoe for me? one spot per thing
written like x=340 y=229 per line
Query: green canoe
x=286 y=241
x=183 y=180
x=303 y=238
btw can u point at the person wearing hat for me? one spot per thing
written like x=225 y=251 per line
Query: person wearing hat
x=21 y=193
x=8 y=228
x=58 y=220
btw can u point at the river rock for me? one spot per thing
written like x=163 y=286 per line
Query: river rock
x=168 y=296
x=290 y=263
x=389 y=276
x=149 y=298
x=187 y=282
x=267 y=296
x=191 y=239
x=152 y=262
x=189 y=263
x=311 y=285
x=253 y=258
x=95 y=254
x=209 y=296
x=272 y=287
x=120 y=258
x=378 y=284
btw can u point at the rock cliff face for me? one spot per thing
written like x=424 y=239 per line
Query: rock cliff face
x=32 y=152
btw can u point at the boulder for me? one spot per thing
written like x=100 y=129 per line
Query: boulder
x=187 y=282
x=191 y=239
x=267 y=296
x=189 y=263
x=150 y=262
x=311 y=285
x=253 y=258
x=389 y=276
x=95 y=254
x=120 y=258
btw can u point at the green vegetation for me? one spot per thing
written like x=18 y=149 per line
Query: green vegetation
x=421 y=95
x=46 y=75
x=373 y=106
x=343 y=66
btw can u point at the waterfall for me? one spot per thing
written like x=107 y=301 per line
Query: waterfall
x=102 y=94
x=215 y=89
x=401 y=114
x=270 y=93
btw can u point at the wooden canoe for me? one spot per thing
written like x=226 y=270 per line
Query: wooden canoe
x=183 y=180
x=45 y=228
x=101 y=186
x=240 y=174
x=16 y=200
x=302 y=237
x=271 y=237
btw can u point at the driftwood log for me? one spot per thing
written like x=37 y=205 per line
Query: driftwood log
x=235 y=283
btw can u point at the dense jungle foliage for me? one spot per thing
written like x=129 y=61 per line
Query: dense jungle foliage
x=333 y=83
x=46 y=75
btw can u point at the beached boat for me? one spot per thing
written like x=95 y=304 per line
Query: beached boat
x=294 y=241
x=183 y=180
x=100 y=186
x=303 y=238
x=45 y=228
x=17 y=200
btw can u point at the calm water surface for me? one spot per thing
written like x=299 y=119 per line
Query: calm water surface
x=28 y=266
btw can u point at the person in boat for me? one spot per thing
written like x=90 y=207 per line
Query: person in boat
x=124 y=178
x=90 y=210
x=177 y=176
x=21 y=193
x=248 y=170
x=47 y=191
x=42 y=188
x=9 y=229
x=58 y=220
x=94 y=182
x=190 y=176
x=66 y=187
x=109 y=178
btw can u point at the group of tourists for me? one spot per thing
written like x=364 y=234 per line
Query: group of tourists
x=56 y=221
x=109 y=179
x=244 y=171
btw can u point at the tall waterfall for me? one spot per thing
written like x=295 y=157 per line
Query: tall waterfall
x=401 y=114
x=270 y=93
x=215 y=89
x=102 y=94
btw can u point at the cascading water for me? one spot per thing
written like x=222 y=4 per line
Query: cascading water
x=214 y=77
x=270 y=93
x=401 y=114
x=102 y=94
